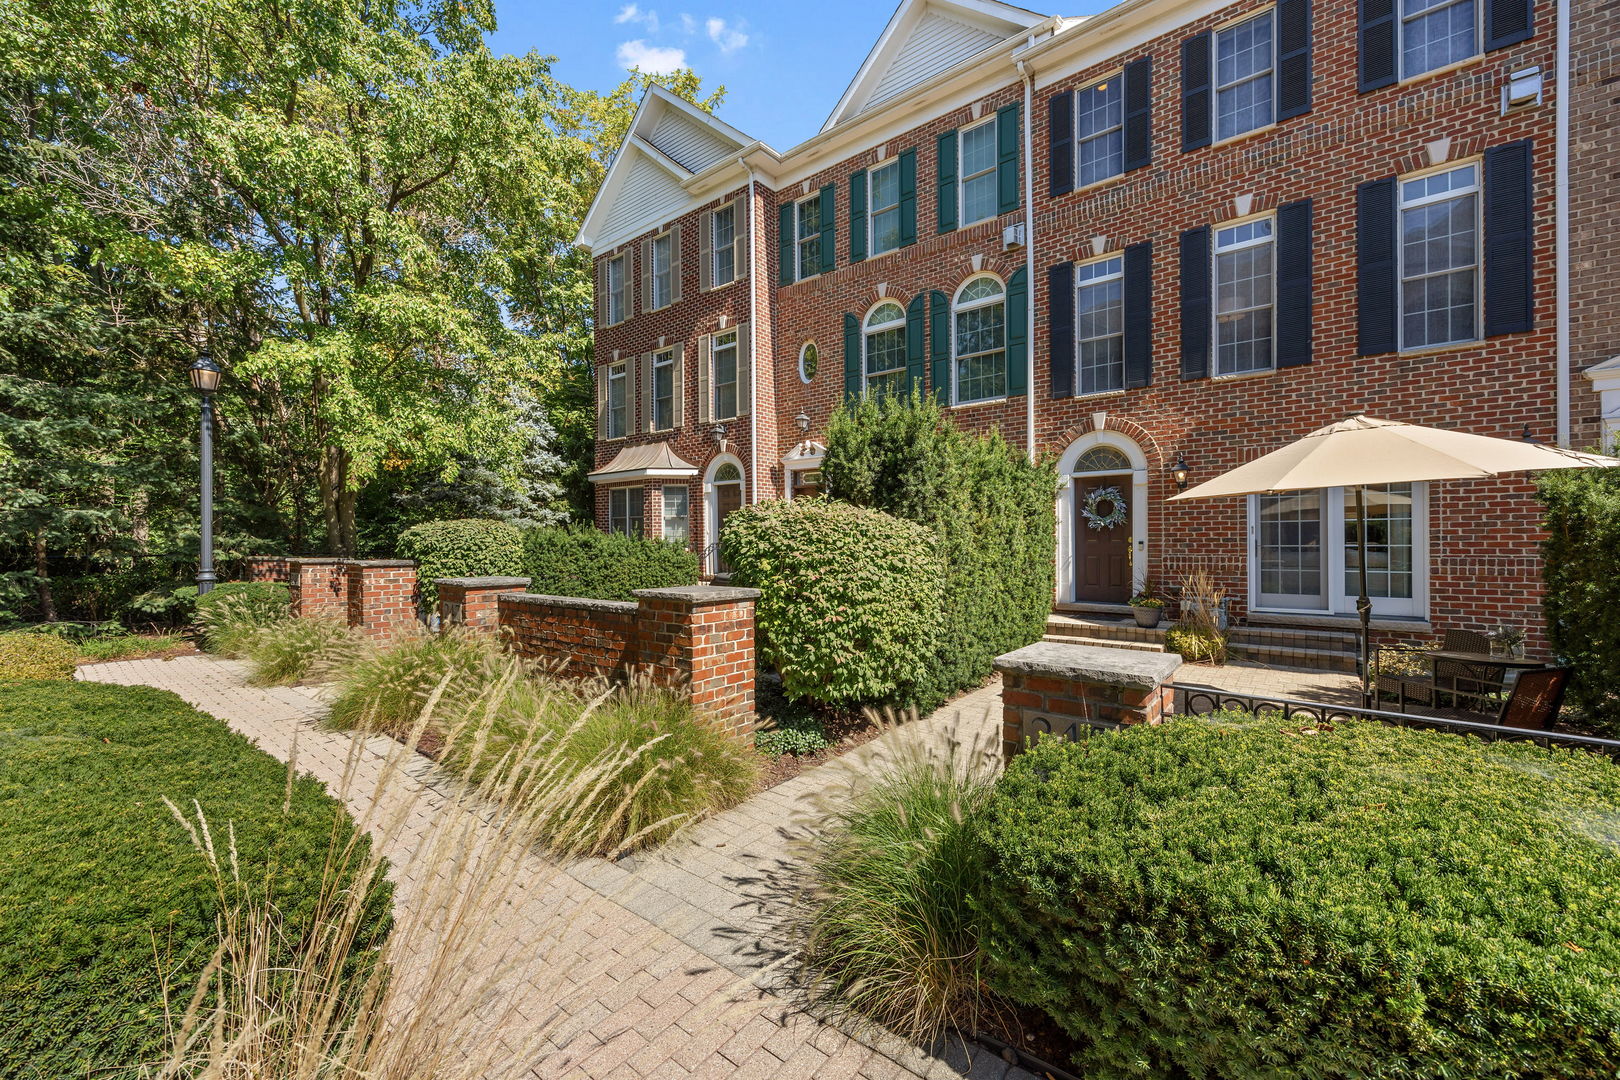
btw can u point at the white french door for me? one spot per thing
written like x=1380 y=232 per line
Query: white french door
x=1304 y=555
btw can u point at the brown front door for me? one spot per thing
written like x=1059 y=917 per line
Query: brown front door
x=727 y=497
x=1102 y=557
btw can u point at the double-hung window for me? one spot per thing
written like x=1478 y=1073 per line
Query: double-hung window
x=885 y=348
x=977 y=168
x=883 y=208
x=1245 y=271
x=1439 y=258
x=1099 y=324
x=723 y=222
x=662 y=283
x=677 y=515
x=1435 y=33
x=624 y=511
x=980 y=343
x=1099 y=129
x=807 y=215
x=1244 y=62
x=616 y=292
x=724 y=359
x=618 y=400
x=663 y=390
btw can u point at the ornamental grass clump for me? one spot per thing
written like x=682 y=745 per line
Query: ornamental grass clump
x=298 y=650
x=1246 y=899
x=231 y=615
x=385 y=691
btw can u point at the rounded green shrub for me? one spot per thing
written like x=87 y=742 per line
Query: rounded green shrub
x=579 y=560
x=850 y=596
x=1246 y=899
x=797 y=735
x=232 y=612
x=465 y=547
x=35 y=656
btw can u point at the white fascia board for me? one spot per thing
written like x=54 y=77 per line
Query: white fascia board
x=680 y=172
x=641 y=474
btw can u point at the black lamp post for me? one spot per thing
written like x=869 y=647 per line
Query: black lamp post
x=205 y=380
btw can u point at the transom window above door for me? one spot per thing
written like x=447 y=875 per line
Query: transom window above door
x=1103 y=459
x=885 y=337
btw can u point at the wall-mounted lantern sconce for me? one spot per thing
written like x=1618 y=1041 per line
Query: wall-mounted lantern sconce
x=803 y=422
x=1180 y=471
x=720 y=436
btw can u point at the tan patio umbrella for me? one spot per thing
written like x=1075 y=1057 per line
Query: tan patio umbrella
x=1362 y=451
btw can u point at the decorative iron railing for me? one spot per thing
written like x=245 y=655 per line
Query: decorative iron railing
x=1194 y=700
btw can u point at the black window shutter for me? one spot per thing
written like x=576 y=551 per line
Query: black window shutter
x=1376 y=287
x=946 y=186
x=1060 y=331
x=908 y=196
x=784 y=245
x=1138 y=94
x=1138 y=295
x=852 y=356
x=1294 y=289
x=1293 y=58
x=1379 y=63
x=1195 y=303
x=916 y=355
x=939 y=338
x=1060 y=144
x=857 y=215
x=1006 y=159
x=1509 y=282
x=1508 y=22
x=1018 y=332
x=829 y=228
x=1195 y=92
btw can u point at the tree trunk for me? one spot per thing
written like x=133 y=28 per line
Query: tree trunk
x=347 y=497
x=331 y=486
x=42 y=580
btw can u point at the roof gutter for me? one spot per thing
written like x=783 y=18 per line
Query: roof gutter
x=1027 y=74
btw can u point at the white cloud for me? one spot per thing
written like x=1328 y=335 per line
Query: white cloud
x=729 y=38
x=633 y=13
x=653 y=59
x=688 y=24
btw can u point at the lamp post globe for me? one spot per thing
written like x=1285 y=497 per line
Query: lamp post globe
x=204 y=375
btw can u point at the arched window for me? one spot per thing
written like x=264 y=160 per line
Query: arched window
x=1103 y=459
x=980 y=342
x=728 y=474
x=885 y=348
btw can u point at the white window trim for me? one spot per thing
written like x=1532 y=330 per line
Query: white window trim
x=620 y=371
x=1401 y=21
x=1215 y=252
x=622 y=293
x=804 y=351
x=663 y=359
x=663 y=511
x=807 y=456
x=868 y=331
x=668 y=239
x=799 y=240
x=614 y=495
x=1215 y=87
x=873 y=210
x=1116 y=79
x=1117 y=275
x=715 y=248
x=715 y=345
x=962 y=176
x=974 y=305
x=1401 y=206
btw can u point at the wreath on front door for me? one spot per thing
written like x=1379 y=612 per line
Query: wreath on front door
x=1104 y=508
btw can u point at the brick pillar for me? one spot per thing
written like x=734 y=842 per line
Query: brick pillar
x=381 y=594
x=702 y=637
x=1068 y=690
x=473 y=601
x=317 y=588
x=266 y=568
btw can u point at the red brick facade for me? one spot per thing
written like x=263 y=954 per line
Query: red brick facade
x=381 y=595
x=318 y=588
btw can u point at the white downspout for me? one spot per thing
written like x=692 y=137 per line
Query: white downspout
x=1028 y=77
x=1562 y=88
x=753 y=337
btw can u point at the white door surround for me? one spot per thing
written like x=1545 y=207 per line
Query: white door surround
x=711 y=506
x=1068 y=512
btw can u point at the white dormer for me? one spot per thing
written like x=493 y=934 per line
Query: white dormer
x=923 y=39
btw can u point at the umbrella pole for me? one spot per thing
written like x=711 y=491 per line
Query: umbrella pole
x=1363 y=603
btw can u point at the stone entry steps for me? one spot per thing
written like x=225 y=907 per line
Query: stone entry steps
x=1290 y=647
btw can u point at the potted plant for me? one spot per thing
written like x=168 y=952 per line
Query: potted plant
x=1148 y=606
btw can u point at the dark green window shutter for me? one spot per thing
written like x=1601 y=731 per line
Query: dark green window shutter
x=939 y=337
x=1195 y=303
x=916 y=355
x=852 y=357
x=1060 y=143
x=1377 y=62
x=829 y=228
x=1006 y=159
x=1509 y=291
x=1138 y=95
x=946 y=187
x=1060 y=317
x=908 y=196
x=857 y=215
x=1376 y=287
x=1293 y=58
x=1294 y=289
x=1508 y=22
x=1018 y=333
x=1196 y=108
x=1137 y=292
x=784 y=245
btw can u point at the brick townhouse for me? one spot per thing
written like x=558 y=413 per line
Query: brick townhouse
x=1150 y=244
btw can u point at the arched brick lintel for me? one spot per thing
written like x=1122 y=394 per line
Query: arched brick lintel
x=1125 y=426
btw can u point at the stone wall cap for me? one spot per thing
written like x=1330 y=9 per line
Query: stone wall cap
x=700 y=594
x=311 y=560
x=1091 y=663
x=484 y=582
x=380 y=562
x=585 y=602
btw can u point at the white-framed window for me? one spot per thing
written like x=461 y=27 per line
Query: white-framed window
x=677 y=514
x=662 y=281
x=1245 y=284
x=809 y=360
x=723 y=222
x=624 y=511
x=1305 y=555
x=1435 y=33
x=663 y=390
x=616 y=291
x=885 y=340
x=979 y=343
x=807 y=240
x=1099 y=131
x=1099 y=325
x=1439 y=257
x=618 y=400
x=1245 y=57
x=976 y=166
x=723 y=357
x=883 y=207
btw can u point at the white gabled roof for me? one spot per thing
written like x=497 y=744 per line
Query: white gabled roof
x=924 y=38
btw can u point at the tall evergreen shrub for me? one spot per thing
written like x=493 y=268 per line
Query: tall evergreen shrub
x=579 y=560
x=1582 y=602
x=994 y=512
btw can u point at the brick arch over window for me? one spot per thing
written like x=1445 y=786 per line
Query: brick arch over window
x=1157 y=461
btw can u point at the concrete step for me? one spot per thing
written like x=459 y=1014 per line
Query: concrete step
x=1305 y=649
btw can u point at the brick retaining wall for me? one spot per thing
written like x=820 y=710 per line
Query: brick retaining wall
x=1067 y=690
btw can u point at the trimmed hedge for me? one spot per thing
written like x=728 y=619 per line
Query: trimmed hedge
x=1578 y=560
x=850 y=596
x=99 y=874
x=578 y=560
x=1227 y=899
x=994 y=513
x=466 y=547
x=35 y=656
